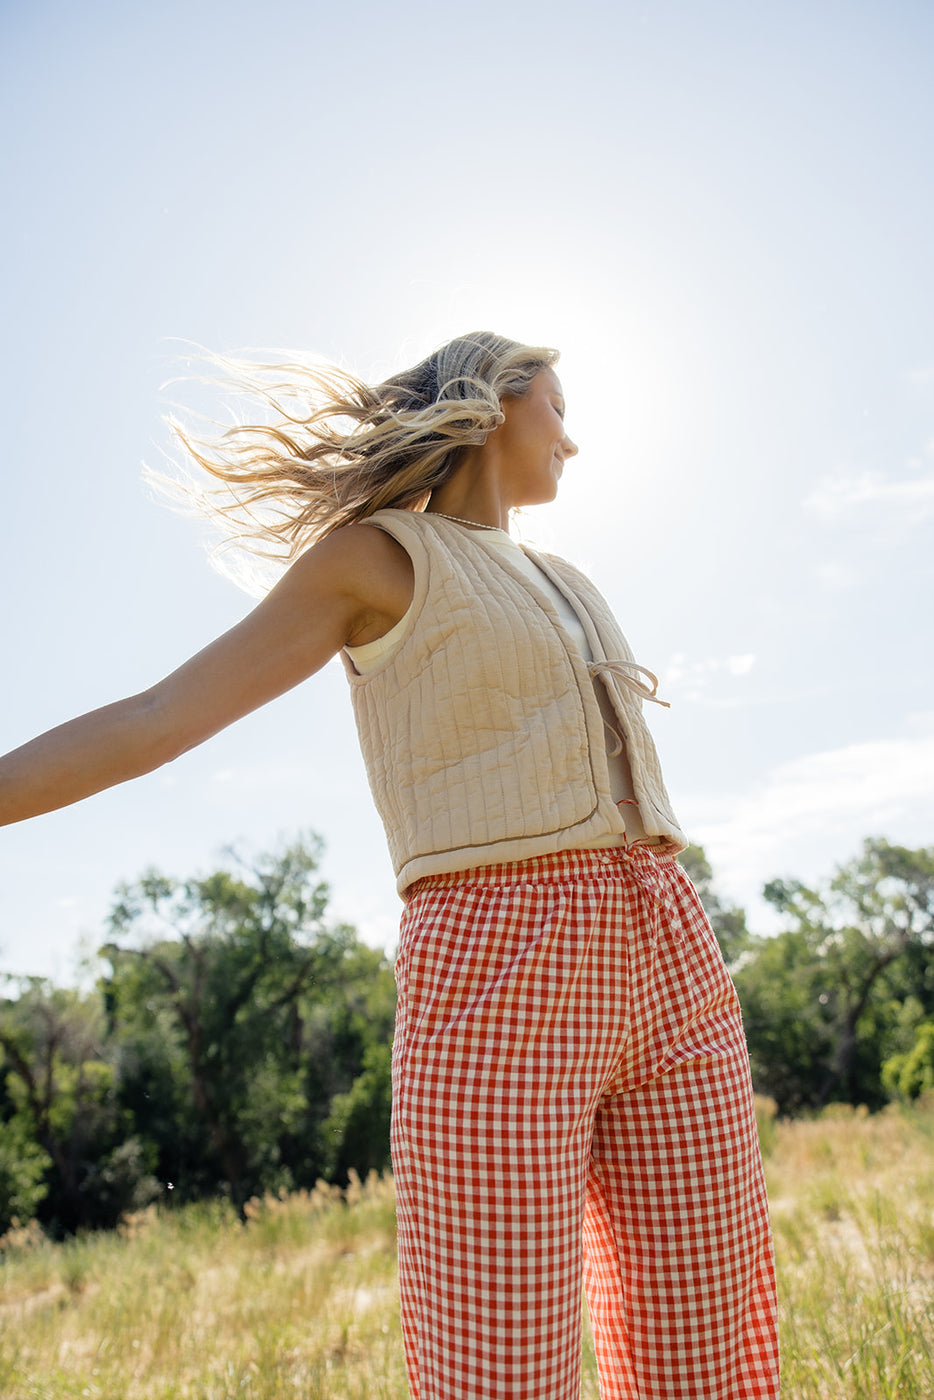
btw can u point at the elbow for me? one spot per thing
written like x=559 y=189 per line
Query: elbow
x=171 y=728
x=163 y=734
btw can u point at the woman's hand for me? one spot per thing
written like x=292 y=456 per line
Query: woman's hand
x=352 y=587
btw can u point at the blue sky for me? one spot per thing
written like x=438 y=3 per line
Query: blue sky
x=721 y=213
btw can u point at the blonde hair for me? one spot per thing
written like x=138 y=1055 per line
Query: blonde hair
x=334 y=450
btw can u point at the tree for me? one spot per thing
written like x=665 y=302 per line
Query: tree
x=359 y=1120
x=845 y=986
x=77 y=1160
x=728 y=921
x=238 y=1014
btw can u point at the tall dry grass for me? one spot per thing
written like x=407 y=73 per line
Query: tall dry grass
x=852 y=1199
x=300 y=1299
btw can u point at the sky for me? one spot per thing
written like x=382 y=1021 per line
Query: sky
x=719 y=211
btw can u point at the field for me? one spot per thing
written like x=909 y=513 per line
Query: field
x=299 y=1299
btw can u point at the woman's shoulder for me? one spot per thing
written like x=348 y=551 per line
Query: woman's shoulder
x=358 y=562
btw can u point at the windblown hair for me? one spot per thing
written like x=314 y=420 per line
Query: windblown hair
x=333 y=450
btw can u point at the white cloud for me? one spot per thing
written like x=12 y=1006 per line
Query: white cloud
x=836 y=576
x=693 y=676
x=812 y=812
x=839 y=495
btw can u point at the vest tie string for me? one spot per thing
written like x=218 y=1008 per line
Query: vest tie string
x=621 y=671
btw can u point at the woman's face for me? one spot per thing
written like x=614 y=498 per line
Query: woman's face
x=531 y=443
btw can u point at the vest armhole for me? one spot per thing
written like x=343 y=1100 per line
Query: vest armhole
x=406 y=536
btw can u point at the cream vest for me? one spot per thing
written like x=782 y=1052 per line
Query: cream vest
x=482 y=735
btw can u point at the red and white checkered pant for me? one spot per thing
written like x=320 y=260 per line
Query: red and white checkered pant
x=570 y=1077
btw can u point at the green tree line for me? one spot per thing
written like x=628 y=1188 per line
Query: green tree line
x=237 y=1042
x=839 y=1004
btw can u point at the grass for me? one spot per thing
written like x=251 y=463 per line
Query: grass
x=300 y=1300
x=852 y=1199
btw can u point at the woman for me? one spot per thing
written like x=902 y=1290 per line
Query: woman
x=569 y=1068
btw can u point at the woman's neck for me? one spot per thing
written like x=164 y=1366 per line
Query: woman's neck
x=473 y=500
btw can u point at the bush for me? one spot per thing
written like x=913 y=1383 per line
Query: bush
x=23 y=1165
x=910 y=1075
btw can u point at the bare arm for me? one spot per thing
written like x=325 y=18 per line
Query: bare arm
x=352 y=587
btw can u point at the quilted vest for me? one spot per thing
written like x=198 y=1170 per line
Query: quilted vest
x=482 y=736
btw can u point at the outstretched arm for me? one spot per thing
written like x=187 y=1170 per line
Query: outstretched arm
x=351 y=587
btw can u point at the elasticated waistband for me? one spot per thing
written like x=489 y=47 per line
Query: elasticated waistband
x=561 y=866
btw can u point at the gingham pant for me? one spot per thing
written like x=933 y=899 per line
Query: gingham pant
x=570 y=1077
